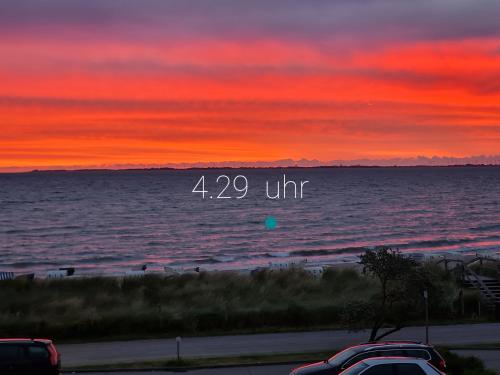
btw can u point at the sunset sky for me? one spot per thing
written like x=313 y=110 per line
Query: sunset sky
x=106 y=83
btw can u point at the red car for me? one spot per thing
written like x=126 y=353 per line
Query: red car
x=350 y=356
x=29 y=357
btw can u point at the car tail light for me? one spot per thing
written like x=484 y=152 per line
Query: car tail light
x=54 y=356
x=442 y=365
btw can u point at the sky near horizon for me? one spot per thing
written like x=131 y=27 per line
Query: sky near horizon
x=174 y=81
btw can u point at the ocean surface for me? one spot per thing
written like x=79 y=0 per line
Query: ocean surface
x=111 y=221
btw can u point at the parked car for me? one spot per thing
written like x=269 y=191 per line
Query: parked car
x=28 y=357
x=392 y=366
x=348 y=357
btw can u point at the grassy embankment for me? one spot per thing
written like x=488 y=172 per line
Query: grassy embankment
x=208 y=303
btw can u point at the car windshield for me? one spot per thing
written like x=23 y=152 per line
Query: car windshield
x=344 y=355
x=355 y=369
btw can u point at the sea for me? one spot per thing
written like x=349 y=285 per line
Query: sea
x=107 y=222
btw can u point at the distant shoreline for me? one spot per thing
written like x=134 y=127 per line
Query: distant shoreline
x=82 y=170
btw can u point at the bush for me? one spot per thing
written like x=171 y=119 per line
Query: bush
x=458 y=365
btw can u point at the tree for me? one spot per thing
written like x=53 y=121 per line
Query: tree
x=400 y=283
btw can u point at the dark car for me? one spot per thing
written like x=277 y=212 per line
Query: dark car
x=354 y=354
x=28 y=357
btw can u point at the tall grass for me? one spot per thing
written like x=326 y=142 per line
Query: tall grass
x=186 y=304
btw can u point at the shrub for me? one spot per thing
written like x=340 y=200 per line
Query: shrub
x=458 y=365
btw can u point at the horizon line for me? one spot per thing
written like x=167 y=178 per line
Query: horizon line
x=417 y=161
x=235 y=168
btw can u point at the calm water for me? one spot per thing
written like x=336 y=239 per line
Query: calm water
x=110 y=221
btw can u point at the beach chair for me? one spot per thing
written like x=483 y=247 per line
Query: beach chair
x=6 y=276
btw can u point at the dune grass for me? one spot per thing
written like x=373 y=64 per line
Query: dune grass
x=190 y=304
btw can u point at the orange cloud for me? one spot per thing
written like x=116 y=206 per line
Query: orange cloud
x=211 y=100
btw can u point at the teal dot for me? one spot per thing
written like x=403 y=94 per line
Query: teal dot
x=270 y=222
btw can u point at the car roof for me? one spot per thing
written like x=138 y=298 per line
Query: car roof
x=376 y=360
x=366 y=347
x=392 y=345
x=24 y=341
x=388 y=342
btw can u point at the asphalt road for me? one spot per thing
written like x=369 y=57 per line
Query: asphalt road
x=221 y=346
x=252 y=370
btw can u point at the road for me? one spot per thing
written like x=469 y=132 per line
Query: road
x=251 y=370
x=295 y=342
